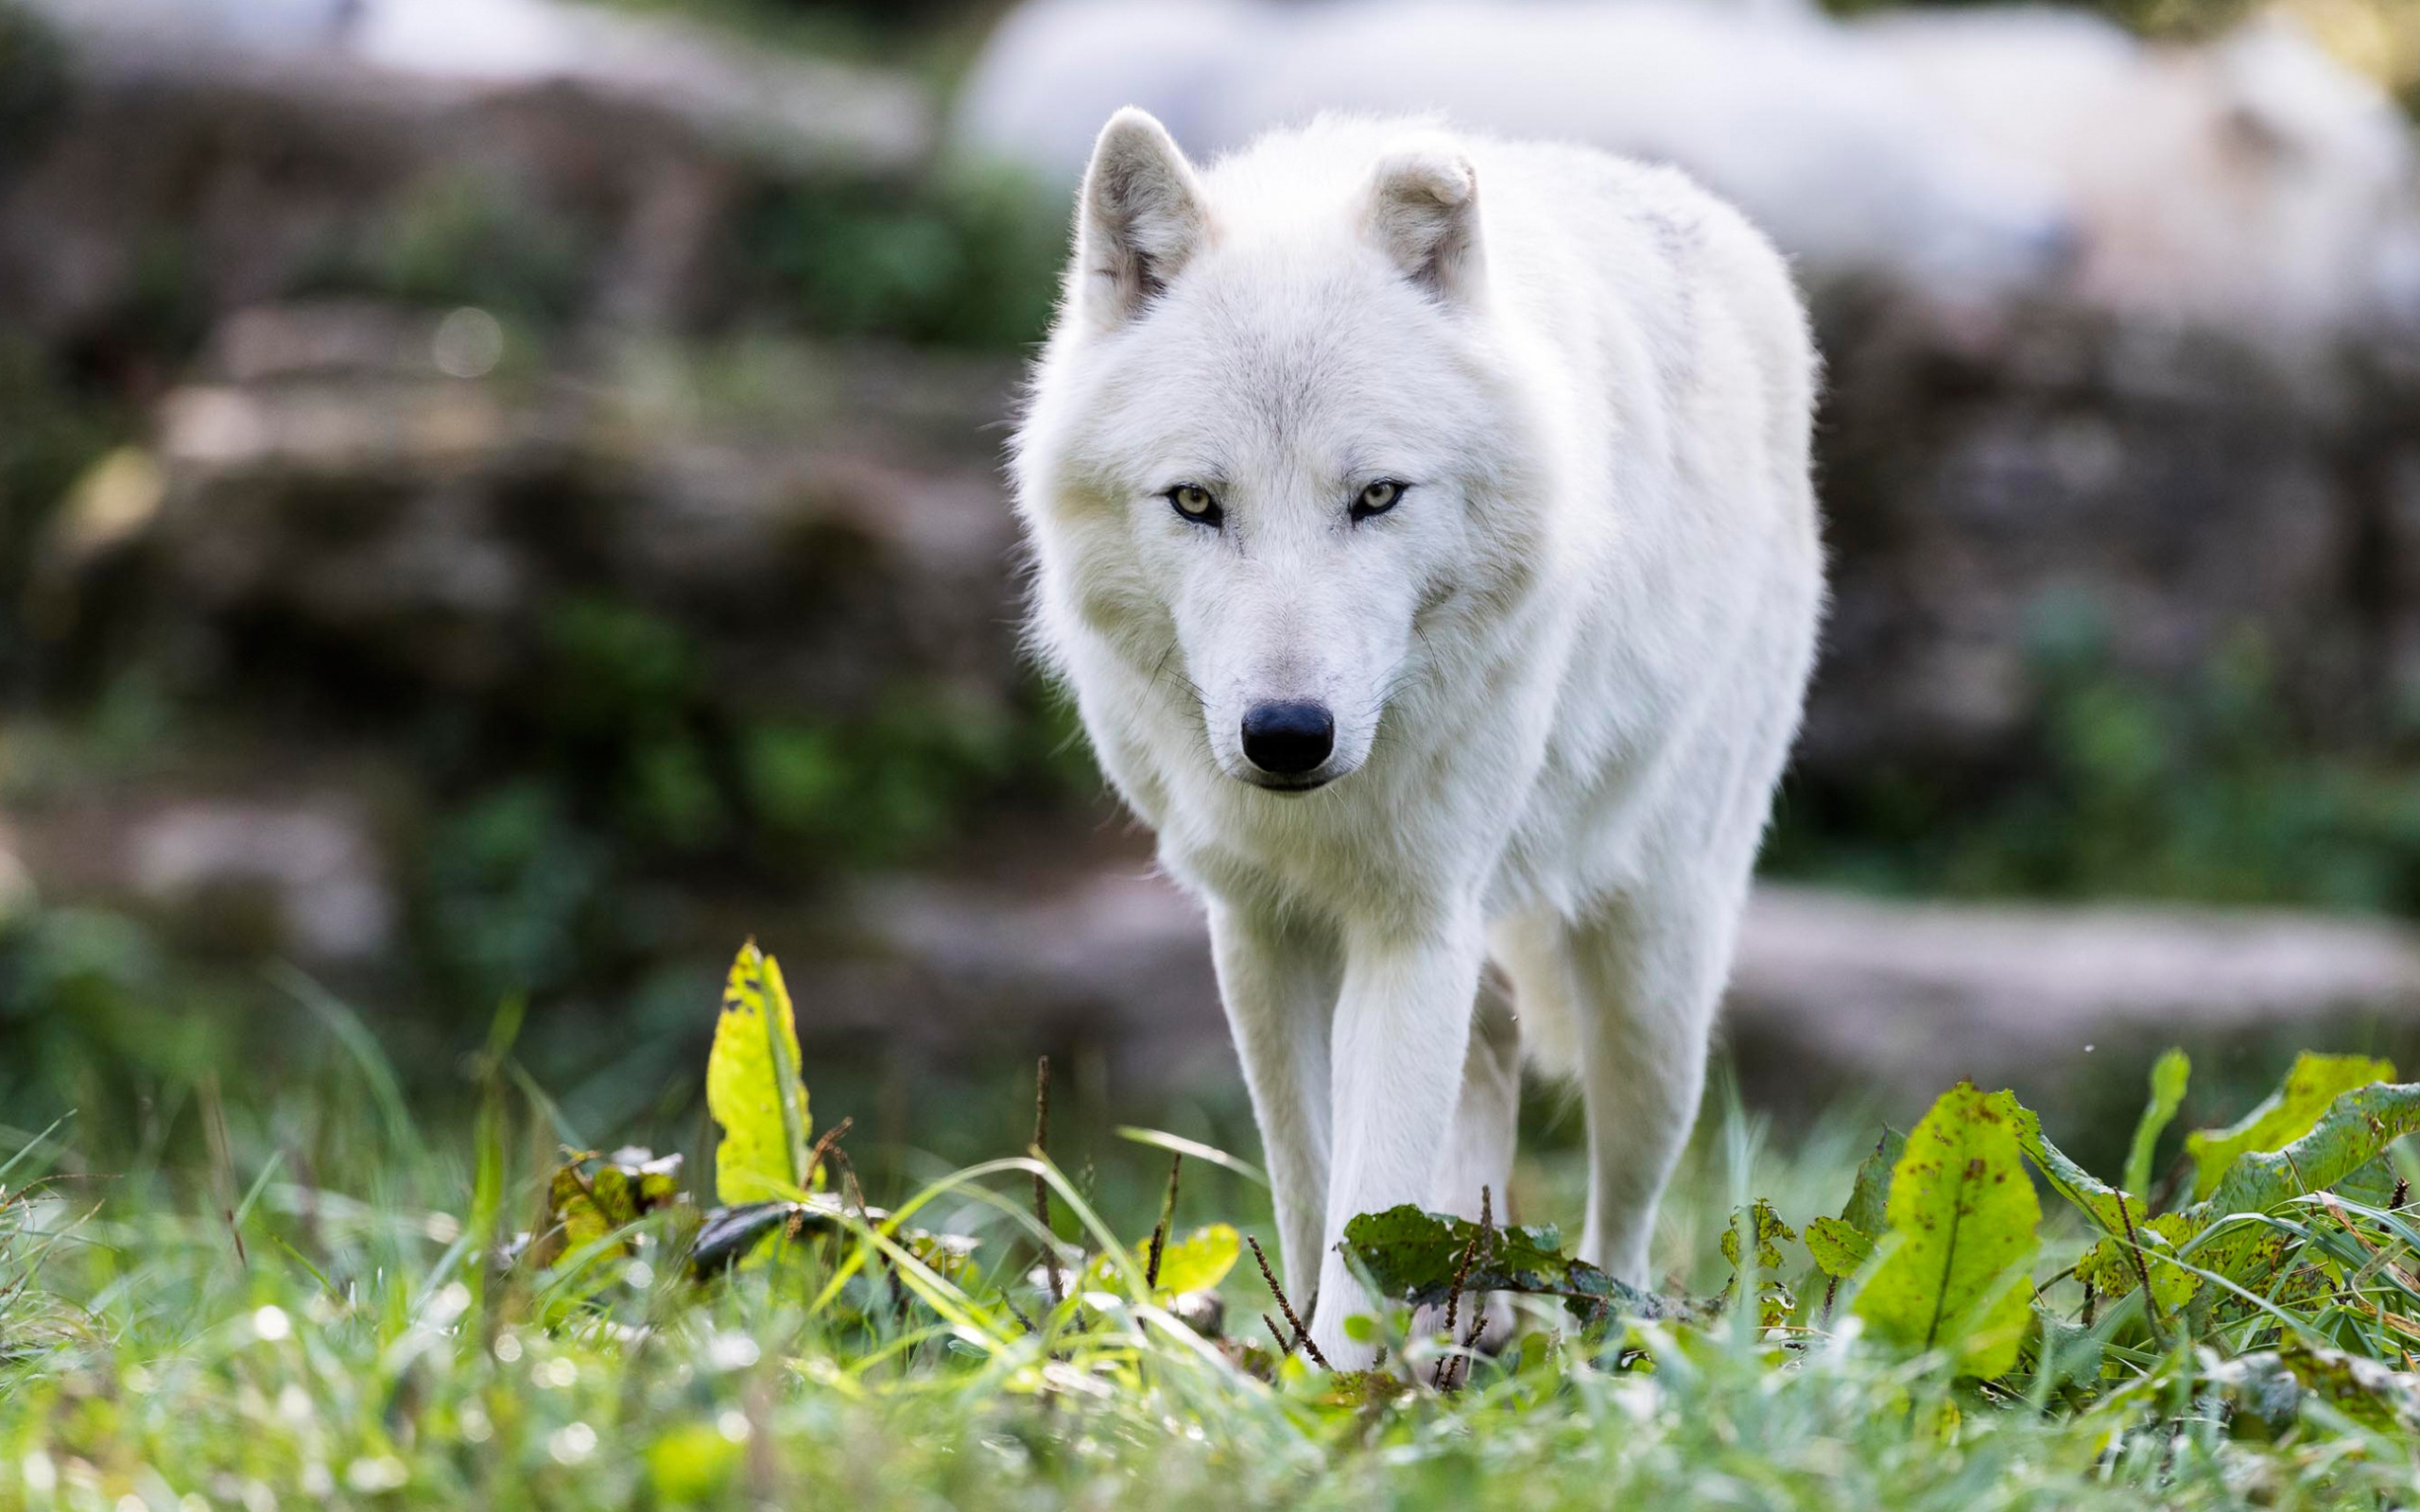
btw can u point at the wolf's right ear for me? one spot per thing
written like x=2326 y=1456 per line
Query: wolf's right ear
x=1142 y=216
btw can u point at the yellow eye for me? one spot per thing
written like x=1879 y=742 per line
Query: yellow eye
x=1377 y=498
x=1194 y=502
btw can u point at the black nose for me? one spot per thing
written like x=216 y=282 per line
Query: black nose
x=1289 y=738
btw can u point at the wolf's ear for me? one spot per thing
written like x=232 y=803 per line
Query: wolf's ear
x=1424 y=212
x=1142 y=216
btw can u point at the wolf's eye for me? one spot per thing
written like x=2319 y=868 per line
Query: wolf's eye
x=1377 y=498
x=1195 y=504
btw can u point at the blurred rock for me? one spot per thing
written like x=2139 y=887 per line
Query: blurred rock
x=1833 y=995
x=1915 y=995
x=314 y=871
x=1998 y=490
x=2254 y=185
x=804 y=109
x=338 y=493
x=18 y=894
x=1117 y=958
x=214 y=154
x=1776 y=107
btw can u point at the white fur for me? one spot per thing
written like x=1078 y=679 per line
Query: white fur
x=1564 y=669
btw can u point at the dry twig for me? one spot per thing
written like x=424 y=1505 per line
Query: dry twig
x=1302 y=1335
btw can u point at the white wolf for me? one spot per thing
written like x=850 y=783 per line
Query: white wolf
x=1424 y=523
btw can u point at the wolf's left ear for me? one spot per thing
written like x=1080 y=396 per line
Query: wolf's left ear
x=1424 y=212
x=1142 y=216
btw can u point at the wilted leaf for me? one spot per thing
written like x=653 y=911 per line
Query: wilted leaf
x=728 y=1234
x=589 y=1197
x=1771 y=1233
x=2170 y=1075
x=753 y=1088
x=1839 y=1249
x=2108 y=1267
x=2364 y=1391
x=2285 y=1115
x=1964 y=1216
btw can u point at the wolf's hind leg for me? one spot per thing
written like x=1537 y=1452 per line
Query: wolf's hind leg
x=1649 y=975
x=1478 y=1152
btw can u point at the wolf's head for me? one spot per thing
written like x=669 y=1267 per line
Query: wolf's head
x=1269 y=449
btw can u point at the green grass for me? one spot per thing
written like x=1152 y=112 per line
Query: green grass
x=308 y=1307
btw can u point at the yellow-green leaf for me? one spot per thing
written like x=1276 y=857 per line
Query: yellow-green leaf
x=753 y=1088
x=1963 y=1218
x=2283 y=1117
x=1839 y=1248
x=691 y=1464
x=1198 y=1262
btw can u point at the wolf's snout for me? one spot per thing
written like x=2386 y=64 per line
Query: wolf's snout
x=1290 y=737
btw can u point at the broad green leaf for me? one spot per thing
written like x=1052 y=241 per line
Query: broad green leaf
x=1842 y=1245
x=1865 y=1211
x=2104 y=1204
x=1964 y=1216
x=2285 y=1115
x=753 y=1088
x=2355 y=1129
x=2352 y=1132
x=2170 y=1075
x=1839 y=1251
x=1413 y=1256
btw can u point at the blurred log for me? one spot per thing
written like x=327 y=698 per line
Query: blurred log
x=1834 y=995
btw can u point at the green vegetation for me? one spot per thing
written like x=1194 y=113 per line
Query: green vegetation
x=322 y=1300
x=2122 y=787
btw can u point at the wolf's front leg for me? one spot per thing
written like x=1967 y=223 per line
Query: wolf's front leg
x=1278 y=979
x=1403 y=1026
